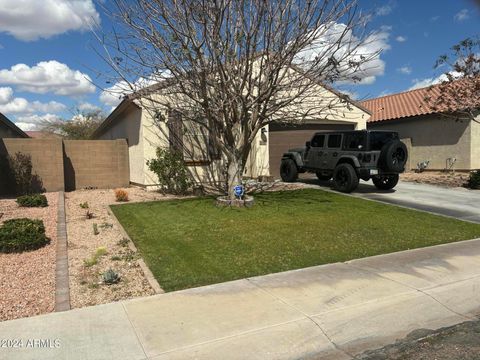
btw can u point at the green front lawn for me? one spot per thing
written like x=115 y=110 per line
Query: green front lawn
x=188 y=243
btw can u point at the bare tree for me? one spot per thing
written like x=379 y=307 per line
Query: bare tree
x=230 y=67
x=458 y=94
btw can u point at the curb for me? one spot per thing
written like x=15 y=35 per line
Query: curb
x=146 y=271
x=62 y=287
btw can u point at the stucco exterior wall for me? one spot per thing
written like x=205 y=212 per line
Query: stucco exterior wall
x=129 y=126
x=475 y=144
x=434 y=139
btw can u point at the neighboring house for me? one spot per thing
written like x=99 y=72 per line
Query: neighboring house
x=132 y=121
x=9 y=130
x=447 y=142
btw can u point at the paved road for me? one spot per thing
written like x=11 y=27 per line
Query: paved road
x=333 y=311
x=456 y=202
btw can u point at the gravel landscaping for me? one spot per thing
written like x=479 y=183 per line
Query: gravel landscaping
x=91 y=255
x=449 y=179
x=27 y=285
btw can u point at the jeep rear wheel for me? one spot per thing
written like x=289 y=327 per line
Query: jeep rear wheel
x=393 y=157
x=345 y=178
x=288 y=170
x=385 y=182
x=323 y=177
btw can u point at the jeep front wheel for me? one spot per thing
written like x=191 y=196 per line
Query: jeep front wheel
x=345 y=178
x=288 y=170
x=385 y=182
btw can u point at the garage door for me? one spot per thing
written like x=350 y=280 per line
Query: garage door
x=283 y=138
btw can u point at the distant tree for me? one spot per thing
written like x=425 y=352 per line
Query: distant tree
x=458 y=94
x=80 y=127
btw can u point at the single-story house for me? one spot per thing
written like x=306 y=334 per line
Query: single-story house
x=9 y=130
x=132 y=121
x=446 y=142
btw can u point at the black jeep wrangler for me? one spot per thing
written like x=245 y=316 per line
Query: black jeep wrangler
x=347 y=156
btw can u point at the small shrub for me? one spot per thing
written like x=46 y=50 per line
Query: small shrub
x=101 y=251
x=110 y=277
x=95 y=229
x=121 y=195
x=116 y=258
x=123 y=242
x=35 y=200
x=18 y=235
x=474 y=180
x=89 y=214
x=84 y=205
x=25 y=182
x=172 y=173
x=89 y=262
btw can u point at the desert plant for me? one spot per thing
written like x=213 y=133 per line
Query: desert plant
x=173 y=175
x=474 y=180
x=18 y=235
x=25 y=181
x=106 y=225
x=101 y=251
x=89 y=214
x=116 y=258
x=121 y=195
x=110 y=277
x=34 y=200
x=123 y=242
x=95 y=229
x=84 y=205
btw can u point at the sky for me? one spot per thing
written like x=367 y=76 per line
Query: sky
x=49 y=70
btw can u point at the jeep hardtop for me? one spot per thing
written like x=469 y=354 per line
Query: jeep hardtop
x=346 y=157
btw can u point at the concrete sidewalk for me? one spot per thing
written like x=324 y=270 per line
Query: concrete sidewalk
x=325 y=312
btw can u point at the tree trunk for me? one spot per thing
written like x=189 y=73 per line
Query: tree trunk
x=234 y=176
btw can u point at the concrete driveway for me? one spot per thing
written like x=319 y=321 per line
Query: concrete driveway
x=460 y=203
x=333 y=311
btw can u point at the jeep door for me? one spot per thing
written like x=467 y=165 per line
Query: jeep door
x=315 y=153
x=332 y=151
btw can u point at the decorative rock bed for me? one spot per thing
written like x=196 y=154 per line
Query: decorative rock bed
x=224 y=201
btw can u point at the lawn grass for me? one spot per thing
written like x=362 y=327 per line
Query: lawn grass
x=188 y=243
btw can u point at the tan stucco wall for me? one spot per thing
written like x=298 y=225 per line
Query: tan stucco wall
x=129 y=126
x=433 y=138
x=475 y=144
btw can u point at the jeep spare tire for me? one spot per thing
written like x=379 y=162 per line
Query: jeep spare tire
x=288 y=170
x=345 y=178
x=393 y=157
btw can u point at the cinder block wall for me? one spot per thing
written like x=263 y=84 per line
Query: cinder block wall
x=74 y=164
x=47 y=158
x=96 y=163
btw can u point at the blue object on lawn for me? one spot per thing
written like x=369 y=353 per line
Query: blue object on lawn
x=238 y=191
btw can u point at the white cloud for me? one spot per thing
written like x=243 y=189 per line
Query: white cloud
x=401 y=38
x=405 y=70
x=113 y=95
x=48 y=76
x=34 y=19
x=421 y=83
x=23 y=106
x=434 y=18
x=33 y=121
x=6 y=94
x=86 y=106
x=384 y=10
x=461 y=15
x=366 y=52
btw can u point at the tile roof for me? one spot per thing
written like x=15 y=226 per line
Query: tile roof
x=405 y=104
